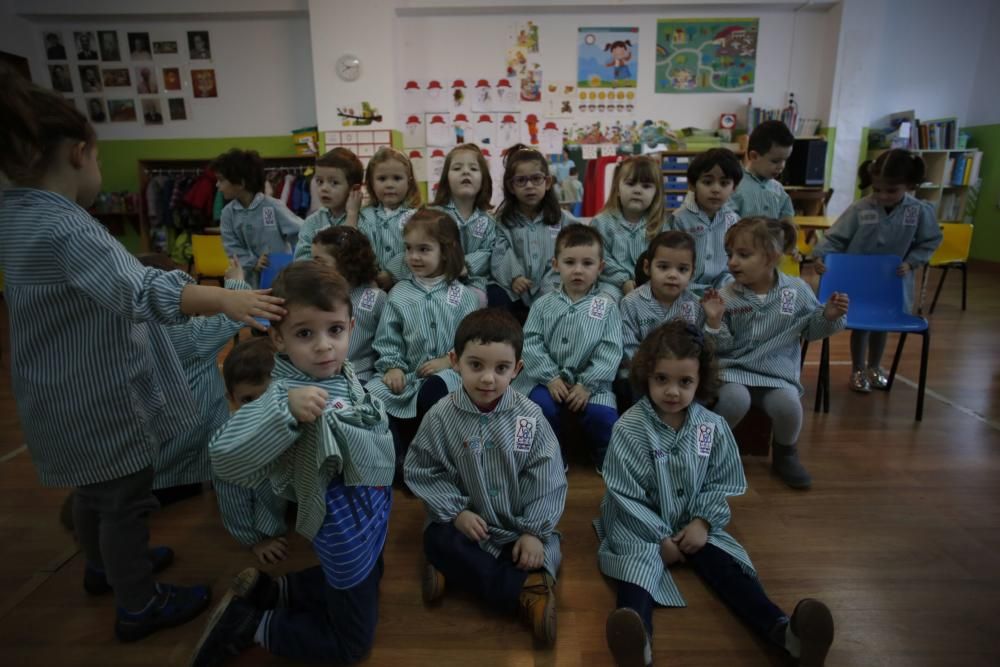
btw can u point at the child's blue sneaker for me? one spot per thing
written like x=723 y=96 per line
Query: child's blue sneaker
x=172 y=606
x=95 y=581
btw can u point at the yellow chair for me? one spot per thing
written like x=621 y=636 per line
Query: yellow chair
x=208 y=257
x=953 y=253
x=789 y=266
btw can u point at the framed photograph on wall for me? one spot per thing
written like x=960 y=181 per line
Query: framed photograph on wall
x=86 y=45
x=165 y=48
x=138 y=46
x=90 y=78
x=107 y=40
x=172 y=78
x=145 y=80
x=121 y=111
x=199 y=46
x=152 y=114
x=61 y=79
x=96 y=110
x=116 y=77
x=177 y=108
x=55 y=49
x=204 y=83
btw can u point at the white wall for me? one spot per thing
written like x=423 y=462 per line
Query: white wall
x=262 y=62
x=17 y=37
x=984 y=103
x=431 y=39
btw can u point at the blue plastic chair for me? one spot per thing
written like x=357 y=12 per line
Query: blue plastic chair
x=876 y=294
x=275 y=263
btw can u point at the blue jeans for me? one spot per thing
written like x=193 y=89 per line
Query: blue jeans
x=467 y=567
x=323 y=624
x=596 y=421
x=404 y=430
x=741 y=592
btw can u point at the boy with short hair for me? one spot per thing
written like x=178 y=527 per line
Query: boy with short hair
x=339 y=177
x=487 y=467
x=253 y=225
x=573 y=342
x=320 y=439
x=706 y=214
x=255 y=516
x=759 y=194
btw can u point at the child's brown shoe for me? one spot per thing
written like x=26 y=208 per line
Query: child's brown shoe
x=432 y=583
x=538 y=606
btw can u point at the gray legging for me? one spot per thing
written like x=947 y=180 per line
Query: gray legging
x=783 y=406
x=874 y=341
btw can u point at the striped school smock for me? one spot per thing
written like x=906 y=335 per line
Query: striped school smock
x=623 y=243
x=658 y=480
x=478 y=238
x=418 y=324
x=265 y=226
x=367 y=304
x=184 y=458
x=384 y=228
x=581 y=342
x=710 y=269
x=910 y=231
x=642 y=312
x=759 y=344
x=503 y=465
x=251 y=514
x=313 y=225
x=97 y=384
x=761 y=196
x=526 y=248
x=351 y=441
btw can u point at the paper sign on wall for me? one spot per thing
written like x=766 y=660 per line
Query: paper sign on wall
x=589 y=151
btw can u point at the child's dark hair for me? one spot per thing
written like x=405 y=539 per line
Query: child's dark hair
x=675 y=239
x=353 y=253
x=775 y=237
x=770 y=133
x=898 y=167
x=865 y=175
x=250 y=362
x=346 y=161
x=578 y=234
x=440 y=227
x=34 y=123
x=241 y=167
x=312 y=284
x=443 y=196
x=572 y=171
x=490 y=325
x=508 y=210
x=723 y=158
x=676 y=340
x=383 y=155
x=639 y=169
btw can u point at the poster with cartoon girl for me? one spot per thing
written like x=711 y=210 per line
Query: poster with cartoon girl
x=607 y=57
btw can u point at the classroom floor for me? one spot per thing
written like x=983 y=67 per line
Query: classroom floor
x=899 y=535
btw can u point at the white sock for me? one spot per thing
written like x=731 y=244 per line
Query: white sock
x=792 y=643
x=647 y=652
x=282 y=591
x=260 y=636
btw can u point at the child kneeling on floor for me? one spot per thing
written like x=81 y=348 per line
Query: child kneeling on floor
x=670 y=467
x=486 y=464
x=323 y=441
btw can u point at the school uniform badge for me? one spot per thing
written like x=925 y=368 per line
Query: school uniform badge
x=687 y=312
x=787 y=301
x=911 y=215
x=367 y=300
x=474 y=445
x=868 y=217
x=454 y=294
x=479 y=229
x=706 y=436
x=524 y=434
x=598 y=308
x=267 y=215
x=335 y=404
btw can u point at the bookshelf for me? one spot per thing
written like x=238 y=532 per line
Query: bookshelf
x=951 y=174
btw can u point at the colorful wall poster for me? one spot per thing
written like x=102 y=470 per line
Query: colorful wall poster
x=607 y=57
x=706 y=55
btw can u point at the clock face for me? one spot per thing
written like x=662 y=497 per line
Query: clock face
x=349 y=67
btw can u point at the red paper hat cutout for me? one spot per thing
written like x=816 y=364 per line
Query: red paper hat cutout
x=458 y=84
x=482 y=83
x=434 y=85
x=532 y=118
x=503 y=83
x=437 y=153
x=508 y=119
x=415 y=154
x=436 y=119
x=412 y=85
x=461 y=118
x=413 y=119
x=485 y=118
x=550 y=126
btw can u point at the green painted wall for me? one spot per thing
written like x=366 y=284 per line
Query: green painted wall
x=986 y=237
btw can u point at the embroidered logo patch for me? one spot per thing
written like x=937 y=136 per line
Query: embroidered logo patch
x=659 y=454
x=787 y=301
x=700 y=229
x=474 y=445
x=524 y=435
x=335 y=404
x=687 y=312
x=706 y=435
x=454 y=295
x=598 y=308
x=911 y=215
x=479 y=230
x=868 y=217
x=267 y=215
x=367 y=300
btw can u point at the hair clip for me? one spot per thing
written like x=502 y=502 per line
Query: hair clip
x=696 y=334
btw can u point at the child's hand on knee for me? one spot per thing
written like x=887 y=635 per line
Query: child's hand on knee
x=528 y=553
x=669 y=552
x=270 y=551
x=558 y=389
x=692 y=537
x=472 y=526
x=307 y=403
x=577 y=398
